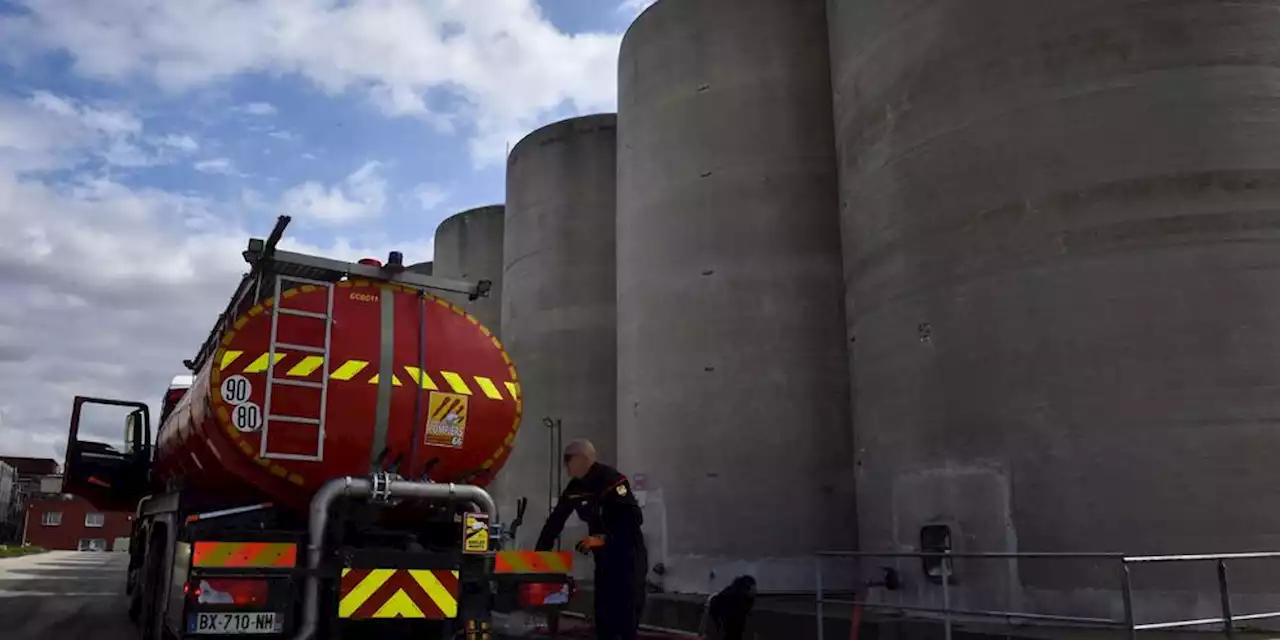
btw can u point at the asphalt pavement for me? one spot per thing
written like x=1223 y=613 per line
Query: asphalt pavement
x=65 y=594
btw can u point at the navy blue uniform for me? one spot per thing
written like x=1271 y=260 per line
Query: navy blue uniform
x=603 y=499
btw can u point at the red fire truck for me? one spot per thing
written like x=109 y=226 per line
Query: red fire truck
x=321 y=471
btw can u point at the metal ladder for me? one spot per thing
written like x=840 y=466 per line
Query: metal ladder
x=278 y=309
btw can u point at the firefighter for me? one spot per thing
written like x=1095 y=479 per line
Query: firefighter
x=603 y=499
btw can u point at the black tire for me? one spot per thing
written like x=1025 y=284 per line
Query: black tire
x=150 y=594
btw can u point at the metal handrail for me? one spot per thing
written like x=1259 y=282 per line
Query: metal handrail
x=1128 y=623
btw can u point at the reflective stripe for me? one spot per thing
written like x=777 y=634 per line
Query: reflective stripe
x=244 y=554
x=398 y=593
x=533 y=562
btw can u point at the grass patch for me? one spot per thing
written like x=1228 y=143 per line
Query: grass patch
x=14 y=552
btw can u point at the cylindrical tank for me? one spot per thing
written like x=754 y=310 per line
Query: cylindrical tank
x=468 y=246
x=733 y=397
x=1059 y=222
x=558 y=301
x=453 y=394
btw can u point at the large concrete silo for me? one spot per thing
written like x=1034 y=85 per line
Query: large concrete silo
x=468 y=246
x=1060 y=227
x=558 y=309
x=733 y=403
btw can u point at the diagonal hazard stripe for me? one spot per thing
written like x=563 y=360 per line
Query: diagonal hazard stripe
x=360 y=594
x=487 y=386
x=351 y=578
x=260 y=364
x=422 y=379
x=307 y=367
x=400 y=605
x=443 y=595
x=513 y=389
x=456 y=382
x=348 y=370
x=229 y=357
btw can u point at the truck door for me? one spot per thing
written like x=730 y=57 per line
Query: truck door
x=111 y=477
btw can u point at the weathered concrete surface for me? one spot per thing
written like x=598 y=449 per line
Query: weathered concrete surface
x=1060 y=225
x=65 y=594
x=558 y=308
x=468 y=246
x=733 y=382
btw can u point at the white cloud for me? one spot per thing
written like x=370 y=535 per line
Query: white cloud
x=259 y=109
x=223 y=166
x=108 y=296
x=635 y=7
x=429 y=196
x=183 y=142
x=361 y=195
x=511 y=68
x=47 y=131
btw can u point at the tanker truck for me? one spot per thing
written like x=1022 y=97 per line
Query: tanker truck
x=320 y=471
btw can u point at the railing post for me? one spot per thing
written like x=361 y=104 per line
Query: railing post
x=946 y=594
x=1224 y=592
x=820 y=618
x=1126 y=587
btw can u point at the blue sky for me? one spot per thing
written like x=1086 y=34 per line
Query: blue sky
x=142 y=141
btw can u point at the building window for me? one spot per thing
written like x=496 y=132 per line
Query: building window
x=94 y=519
x=92 y=544
x=52 y=518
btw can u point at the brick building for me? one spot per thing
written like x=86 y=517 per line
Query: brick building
x=70 y=523
x=32 y=478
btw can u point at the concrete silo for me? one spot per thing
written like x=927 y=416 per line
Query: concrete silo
x=733 y=404
x=558 y=308
x=1060 y=226
x=468 y=246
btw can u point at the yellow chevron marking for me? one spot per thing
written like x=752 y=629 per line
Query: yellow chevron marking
x=486 y=385
x=348 y=369
x=514 y=389
x=229 y=357
x=456 y=382
x=260 y=365
x=439 y=595
x=395 y=381
x=376 y=578
x=296 y=479
x=308 y=366
x=423 y=379
x=399 y=605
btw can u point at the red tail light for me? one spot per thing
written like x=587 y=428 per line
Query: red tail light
x=239 y=592
x=544 y=594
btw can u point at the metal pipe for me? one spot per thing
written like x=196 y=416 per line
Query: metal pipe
x=1224 y=592
x=1206 y=556
x=1126 y=588
x=1008 y=615
x=990 y=554
x=348 y=486
x=817 y=589
x=946 y=596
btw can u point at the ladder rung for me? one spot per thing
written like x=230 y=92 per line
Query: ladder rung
x=304 y=314
x=291 y=456
x=296 y=419
x=297 y=383
x=298 y=347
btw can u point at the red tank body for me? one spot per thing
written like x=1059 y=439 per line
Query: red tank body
x=464 y=410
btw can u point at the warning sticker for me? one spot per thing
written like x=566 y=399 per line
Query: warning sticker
x=475 y=533
x=446 y=420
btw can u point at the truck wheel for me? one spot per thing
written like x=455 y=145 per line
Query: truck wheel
x=150 y=593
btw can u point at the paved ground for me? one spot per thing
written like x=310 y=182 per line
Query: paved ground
x=64 y=594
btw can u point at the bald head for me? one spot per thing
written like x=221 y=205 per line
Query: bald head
x=579 y=455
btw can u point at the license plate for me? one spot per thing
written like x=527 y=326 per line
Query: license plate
x=233 y=623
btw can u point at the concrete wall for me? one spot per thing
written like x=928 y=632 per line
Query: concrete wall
x=733 y=398
x=468 y=246
x=558 y=305
x=1059 y=222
